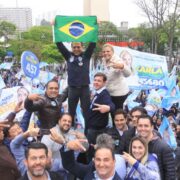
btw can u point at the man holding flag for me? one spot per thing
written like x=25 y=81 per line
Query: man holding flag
x=77 y=30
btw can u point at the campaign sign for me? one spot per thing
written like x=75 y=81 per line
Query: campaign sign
x=30 y=64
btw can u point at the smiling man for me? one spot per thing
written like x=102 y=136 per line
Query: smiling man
x=157 y=146
x=98 y=114
x=120 y=120
x=101 y=168
x=78 y=62
x=36 y=159
x=48 y=106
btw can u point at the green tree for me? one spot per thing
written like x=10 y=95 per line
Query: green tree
x=141 y=33
x=51 y=54
x=39 y=33
x=7 y=29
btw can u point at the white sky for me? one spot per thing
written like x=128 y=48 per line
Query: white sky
x=120 y=10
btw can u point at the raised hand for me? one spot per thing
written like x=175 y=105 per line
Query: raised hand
x=116 y=65
x=55 y=136
x=35 y=97
x=101 y=108
x=129 y=158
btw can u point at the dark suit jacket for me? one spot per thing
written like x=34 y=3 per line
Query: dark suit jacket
x=53 y=176
x=82 y=171
x=113 y=132
x=126 y=139
x=97 y=120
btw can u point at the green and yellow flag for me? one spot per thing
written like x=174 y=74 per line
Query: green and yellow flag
x=76 y=29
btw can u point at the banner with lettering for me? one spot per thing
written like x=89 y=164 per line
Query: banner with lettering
x=30 y=64
x=8 y=100
x=147 y=70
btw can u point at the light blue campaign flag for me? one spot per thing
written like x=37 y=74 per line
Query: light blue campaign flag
x=43 y=64
x=131 y=99
x=172 y=94
x=80 y=117
x=167 y=133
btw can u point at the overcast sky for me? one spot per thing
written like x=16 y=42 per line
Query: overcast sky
x=119 y=10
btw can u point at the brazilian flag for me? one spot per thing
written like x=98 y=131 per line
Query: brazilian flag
x=76 y=29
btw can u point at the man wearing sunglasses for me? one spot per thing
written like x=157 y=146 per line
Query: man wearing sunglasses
x=78 y=62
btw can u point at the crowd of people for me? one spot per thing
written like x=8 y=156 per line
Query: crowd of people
x=53 y=148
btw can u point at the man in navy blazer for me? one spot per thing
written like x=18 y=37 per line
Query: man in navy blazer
x=101 y=167
x=100 y=107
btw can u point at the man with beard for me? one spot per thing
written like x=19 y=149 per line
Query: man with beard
x=36 y=158
x=62 y=128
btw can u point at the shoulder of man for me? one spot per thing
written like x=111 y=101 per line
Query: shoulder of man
x=55 y=176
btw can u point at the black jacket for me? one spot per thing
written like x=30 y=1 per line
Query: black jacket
x=53 y=176
x=49 y=109
x=113 y=132
x=82 y=171
x=127 y=136
x=166 y=160
x=77 y=66
x=126 y=139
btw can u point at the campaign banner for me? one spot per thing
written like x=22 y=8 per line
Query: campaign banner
x=147 y=70
x=9 y=99
x=30 y=64
x=76 y=29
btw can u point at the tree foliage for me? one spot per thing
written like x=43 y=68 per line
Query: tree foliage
x=7 y=29
x=160 y=13
x=50 y=54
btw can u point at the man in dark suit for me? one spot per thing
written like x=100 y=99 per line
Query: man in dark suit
x=78 y=62
x=103 y=165
x=98 y=114
x=135 y=113
x=36 y=161
x=116 y=132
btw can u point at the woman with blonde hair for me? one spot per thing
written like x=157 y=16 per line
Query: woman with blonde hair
x=116 y=71
x=140 y=164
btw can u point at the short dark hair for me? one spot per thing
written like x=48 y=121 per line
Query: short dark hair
x=63 y=114
x=101 y=75
x=145 y=116
x=120 y=111
x=6 y=130
x=35 y=145
x=138 y=108
x=53 y=80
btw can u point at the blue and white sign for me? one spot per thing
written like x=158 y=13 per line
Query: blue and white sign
x=30 y=64
x=147 y=70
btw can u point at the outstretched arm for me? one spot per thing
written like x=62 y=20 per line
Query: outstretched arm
x=34 y=102
x=63 y=50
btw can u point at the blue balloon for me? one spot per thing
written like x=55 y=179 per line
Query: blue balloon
x=76 y=29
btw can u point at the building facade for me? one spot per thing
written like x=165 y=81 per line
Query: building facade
x=100 y=8
x=21 y=17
